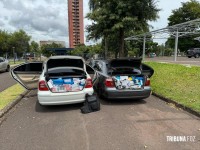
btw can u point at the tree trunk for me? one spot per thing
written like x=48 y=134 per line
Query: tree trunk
x=116 y=53
x=121 y=43
x=106 y=47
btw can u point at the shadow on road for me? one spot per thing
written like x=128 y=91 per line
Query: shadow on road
x=122 y=102
x=57 y=108
x=1 y=72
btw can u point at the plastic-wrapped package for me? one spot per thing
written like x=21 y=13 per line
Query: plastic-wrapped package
x=125 y=83
x=58 y=81
x=117 y=82
x=68 y=87
x=75 y=87
x=68 y=81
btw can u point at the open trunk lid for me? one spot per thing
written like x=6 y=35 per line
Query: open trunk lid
x=65 y=61
x=126 y=63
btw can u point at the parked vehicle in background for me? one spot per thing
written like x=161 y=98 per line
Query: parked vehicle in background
x=60 y=79
x=4 y=65
x=123 y=79
x=152 y=55
x=193 y=52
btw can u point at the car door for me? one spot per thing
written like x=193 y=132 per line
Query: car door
x=93 y=74
x=1 y=64
x=101 y=70
x=28 y=74
x=4 y=64
x=147 y=70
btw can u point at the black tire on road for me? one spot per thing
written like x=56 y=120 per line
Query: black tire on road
x=99 y=93
x=8 y=68
x=189 y=56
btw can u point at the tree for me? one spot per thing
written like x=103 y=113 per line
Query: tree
x=34 y=47
x=87 y=51
x=20 y=40
x=45 y=49
x=187 y=12
x=4 y=41
x=121 y=17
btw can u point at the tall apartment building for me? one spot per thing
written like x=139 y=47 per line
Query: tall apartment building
x=75 y=20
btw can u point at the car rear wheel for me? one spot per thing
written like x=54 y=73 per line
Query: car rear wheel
x=8 y=68
x=100 y=94
x=197 y=56
x=189 y=56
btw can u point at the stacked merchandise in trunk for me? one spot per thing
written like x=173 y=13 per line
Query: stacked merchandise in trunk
x=128 y=82
x=66 y=84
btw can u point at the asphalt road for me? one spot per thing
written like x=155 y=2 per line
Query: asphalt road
x=6 y=80
x=123 y=125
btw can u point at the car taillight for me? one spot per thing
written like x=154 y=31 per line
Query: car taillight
x=109 y=82
x=43 y=86
x=147 y=83
x=88 y=83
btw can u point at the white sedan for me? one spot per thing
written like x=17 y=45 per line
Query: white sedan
x=60 y=79
x=4 y=64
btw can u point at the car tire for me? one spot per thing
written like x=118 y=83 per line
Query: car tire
x=8 y=68
x=189 y=56
x=99 y=92
x=196 y=56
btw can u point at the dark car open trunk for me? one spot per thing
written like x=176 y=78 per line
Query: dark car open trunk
x=127 y=73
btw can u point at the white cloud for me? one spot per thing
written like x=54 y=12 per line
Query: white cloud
x=48 y=19
x=43 y=19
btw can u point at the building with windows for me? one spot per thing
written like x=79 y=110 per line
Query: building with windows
x=75 y=20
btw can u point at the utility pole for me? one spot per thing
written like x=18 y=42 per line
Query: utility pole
x=14 y=54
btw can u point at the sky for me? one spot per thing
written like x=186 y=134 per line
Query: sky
x=48 y=19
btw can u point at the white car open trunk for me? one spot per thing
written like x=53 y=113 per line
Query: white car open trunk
x=65 y=75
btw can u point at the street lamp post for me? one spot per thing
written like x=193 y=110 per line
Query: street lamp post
x=14 y=54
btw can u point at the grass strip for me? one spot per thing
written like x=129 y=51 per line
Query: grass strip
x=177 y=82
x=10 y=94
x=16 y=62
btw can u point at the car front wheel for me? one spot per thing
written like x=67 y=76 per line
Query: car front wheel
x=8 y=68
x=197 y=56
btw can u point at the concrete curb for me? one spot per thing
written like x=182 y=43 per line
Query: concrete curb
x=177 y=104
x=12 y=104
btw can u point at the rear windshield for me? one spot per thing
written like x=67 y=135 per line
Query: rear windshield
x=53 y=63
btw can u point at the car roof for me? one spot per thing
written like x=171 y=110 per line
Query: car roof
x=65 y=56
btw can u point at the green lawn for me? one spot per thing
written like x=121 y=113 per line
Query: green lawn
x=10 y=94
x=177 y=82
x=16 y=62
